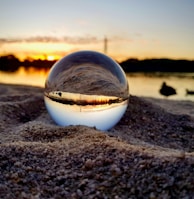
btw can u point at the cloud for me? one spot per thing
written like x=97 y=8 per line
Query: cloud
x=81 y=40
x=74 y=40
x=50 y=39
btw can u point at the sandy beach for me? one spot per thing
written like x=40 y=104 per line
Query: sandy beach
x=148 y=154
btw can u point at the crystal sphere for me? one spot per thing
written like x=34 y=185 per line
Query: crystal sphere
x=86 y=88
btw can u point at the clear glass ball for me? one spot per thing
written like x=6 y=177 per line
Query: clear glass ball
x=86 y=88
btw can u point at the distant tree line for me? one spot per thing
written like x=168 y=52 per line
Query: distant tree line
x=11 y=63
x=157 y=65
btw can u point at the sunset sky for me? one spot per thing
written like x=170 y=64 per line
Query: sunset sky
x=50 y=29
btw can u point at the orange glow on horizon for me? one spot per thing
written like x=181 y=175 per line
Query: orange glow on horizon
x=48 y=57
x=55 y=56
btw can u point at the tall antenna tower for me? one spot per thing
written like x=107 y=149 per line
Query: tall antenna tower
x=105 y=45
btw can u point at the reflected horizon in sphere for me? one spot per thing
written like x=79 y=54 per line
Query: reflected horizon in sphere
x=86 y=88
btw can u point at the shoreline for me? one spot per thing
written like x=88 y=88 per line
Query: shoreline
x=149 y=153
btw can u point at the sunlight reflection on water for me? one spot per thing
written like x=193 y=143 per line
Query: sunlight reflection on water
x=140 y=84
x=30 y=76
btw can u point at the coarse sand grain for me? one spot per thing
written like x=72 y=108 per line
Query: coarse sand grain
x=148 y=154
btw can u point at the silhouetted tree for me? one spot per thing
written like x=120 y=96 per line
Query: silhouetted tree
x=9 y=63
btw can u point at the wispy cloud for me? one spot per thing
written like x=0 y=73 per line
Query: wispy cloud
x=51 y=39
x=74 y=40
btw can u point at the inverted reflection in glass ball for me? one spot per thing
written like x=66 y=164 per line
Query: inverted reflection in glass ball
x=86 y=88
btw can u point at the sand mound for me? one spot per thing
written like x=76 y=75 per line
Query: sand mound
x=148 y=154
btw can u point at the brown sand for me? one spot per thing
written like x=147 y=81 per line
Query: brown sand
x=148 y=154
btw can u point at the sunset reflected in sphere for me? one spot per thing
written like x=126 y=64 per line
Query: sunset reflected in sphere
x=86 y=88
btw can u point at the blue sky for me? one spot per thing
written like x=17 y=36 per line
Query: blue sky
x=134 y=28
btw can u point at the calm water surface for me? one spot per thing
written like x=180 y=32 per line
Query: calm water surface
x=148 y=85
x=140 y=84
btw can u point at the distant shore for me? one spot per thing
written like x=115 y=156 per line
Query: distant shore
x=148 y=154
x=11 y=63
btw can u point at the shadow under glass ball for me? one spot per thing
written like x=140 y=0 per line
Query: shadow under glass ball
x=86 y=88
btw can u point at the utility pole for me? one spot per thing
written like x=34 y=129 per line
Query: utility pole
x=105 y=45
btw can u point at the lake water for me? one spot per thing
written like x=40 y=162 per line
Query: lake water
x=148 y=85
x=140 y=84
